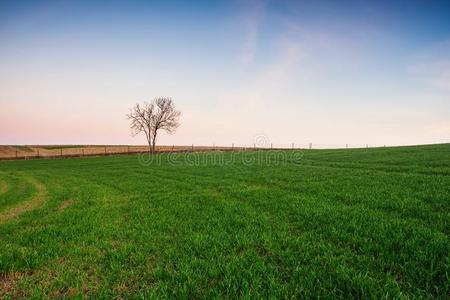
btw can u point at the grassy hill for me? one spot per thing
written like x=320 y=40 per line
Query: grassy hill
x=316 y=223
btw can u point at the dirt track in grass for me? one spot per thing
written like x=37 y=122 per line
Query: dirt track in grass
x=3 y=187
x=33 y=203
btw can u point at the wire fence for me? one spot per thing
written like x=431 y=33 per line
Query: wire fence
x=34 y=152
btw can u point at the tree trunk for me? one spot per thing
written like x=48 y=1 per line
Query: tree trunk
x=149 y=141
x=154 y=143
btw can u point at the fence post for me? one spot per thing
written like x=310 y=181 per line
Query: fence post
x=173 y=147
x=271 y=146
x=254 y=146
x=82 y=150
x=128 y=149
x=192 y=147
x=60 y=152
x=310 y=146
x=346 y=146
x=232 y=146
x=292 y=146
x=16 y=153
x=38 y=153
x=105 y=150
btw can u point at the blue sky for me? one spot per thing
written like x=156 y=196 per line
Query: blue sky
x=326 y=72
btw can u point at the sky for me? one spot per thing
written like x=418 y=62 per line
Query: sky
x=329 y=73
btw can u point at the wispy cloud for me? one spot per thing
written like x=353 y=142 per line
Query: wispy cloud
x=253 y=16
x=291 y=53
x=433 y=66
x=258 y=93
x=434 y=73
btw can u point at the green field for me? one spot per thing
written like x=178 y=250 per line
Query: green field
x=321 y=223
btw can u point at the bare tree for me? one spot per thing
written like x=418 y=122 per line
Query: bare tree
x=149 y=118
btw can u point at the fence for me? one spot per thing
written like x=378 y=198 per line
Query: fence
x=33 y=152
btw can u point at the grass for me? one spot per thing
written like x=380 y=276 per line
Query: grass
x=366 y=223
x=56 y=147
x=23 y=148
